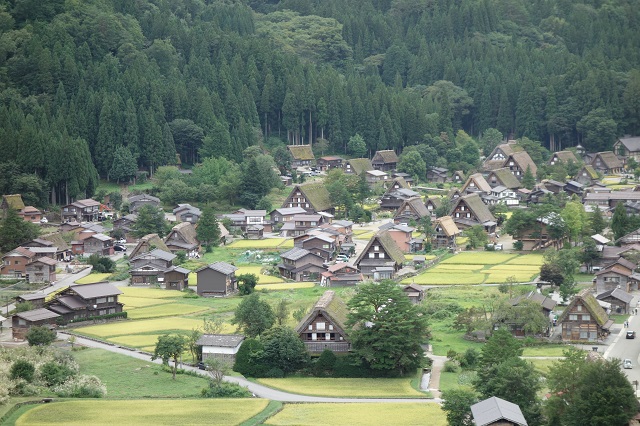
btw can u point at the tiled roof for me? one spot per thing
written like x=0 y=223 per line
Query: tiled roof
x=220 y=340
x=617 y=293
x=222 y=267
x=37 y=314
x=295 y=253
x=632 y=143
x=90 y=291
x=493 y=410
x=534 y=296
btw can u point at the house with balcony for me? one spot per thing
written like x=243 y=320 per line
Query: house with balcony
x=14 y=262
x=217 y=279
x=385 y=160
x=313 y=197
x=341 y=274
x=299 y=264
x=357 y=166
x=381 y=258
x=98 y=243
x=41 y=270
x=324 y=327
x=187 y=213
x=329 y=162
x=87 y=210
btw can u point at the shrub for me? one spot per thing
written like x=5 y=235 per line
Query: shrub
x=451 y=354
x=54 y=374
x=40 y=336
x=226 y=390
x=518 y=245
x=249 y=359
x=470 y=358
x=22 y=369
x=81 y=387
x=274 y=373
x=23 y=306
x=451 y=366
x=324 y=364
x=101 y=264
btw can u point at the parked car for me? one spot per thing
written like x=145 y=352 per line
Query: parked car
x=44 y=220
x=342 y=258
x=627 y=364
x=121 y=241
x=631 y=334
x=119 y=247
x=201 y=365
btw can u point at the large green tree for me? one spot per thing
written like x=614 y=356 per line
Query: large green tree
x=386 y=329
x=253 y=316
x=170 y=346
x=15 y=231
x=283 y=349
x=150 y=220
x=208 y=230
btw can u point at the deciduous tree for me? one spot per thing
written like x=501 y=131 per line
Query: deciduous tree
x=169 y=346
x=253 y=316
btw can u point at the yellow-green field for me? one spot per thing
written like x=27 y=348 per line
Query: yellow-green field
x=355 y=414
x=159 y=326
x=93 y=278
x=149 y=293
x=469 y=268
x=355 y=388
x=284 y=286
x=168 y=309
x=265 y=243
x=257 y=270
x=144 y=412
x=140 y=302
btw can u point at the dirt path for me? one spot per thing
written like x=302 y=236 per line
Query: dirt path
x=436 y=369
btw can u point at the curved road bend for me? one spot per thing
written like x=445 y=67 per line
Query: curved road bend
x=259 y=390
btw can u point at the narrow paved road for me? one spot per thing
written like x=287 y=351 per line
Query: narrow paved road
x=259 y=390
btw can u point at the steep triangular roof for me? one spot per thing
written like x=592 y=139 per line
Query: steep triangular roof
x=448 y=226
x=145 y=244
x=493 y=410
x=523 y=160
x=478 y=181
x=14 y=201
x=591 y=172
x=301 y=152
x=632 y=143
x=360 y=165
x=389 y=246
x=477 y=207
x=184 y=231
x=590 y=303
x=317 y=195
x=609 y=159
x=507 y=178
x=331 y=307
x=564 y=156
x=415 y=205
x=387 y=156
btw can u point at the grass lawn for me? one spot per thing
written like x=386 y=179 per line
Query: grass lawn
x=140 y=302
x=542 y=365
x=284 y=286
x=127 y=377
x=257 y=270
x=365 y=236
x=355 y=414
x=145 y=412
x=461 y=379
x=93 y=278
x=545 y=350
x=149 y=293
x=349 y=388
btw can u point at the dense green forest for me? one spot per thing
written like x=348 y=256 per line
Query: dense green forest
x=97 y=88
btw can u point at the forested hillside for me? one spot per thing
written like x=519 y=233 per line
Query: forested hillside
x=87 y=82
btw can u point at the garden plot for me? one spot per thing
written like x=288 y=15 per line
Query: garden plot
x=158 y=326
x=479 y=258
x=93 y=278
x=149 y=293
x=165 y=310
x=352 y=388
x=149 y=412
x=356 y=414
x=266 y=243
x=262 y=278
x=140 y=302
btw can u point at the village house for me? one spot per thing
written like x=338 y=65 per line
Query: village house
x=584 y=319
x=149 y=267
x=553 y=185
x=502 y=177
x=41 y=270
x=620 y=274
x=243 y=218
x=23 y=321
x=538 y=236
x=497 y=412
x=587 y=175
x=607 y=163
x=385 y=160
x=313 y=197
x=628 y=147
x=220 y=346
x=432 y=204
x=562 y=157
x=547 y=305
x=458 y=177
x=183 y=238
x=454 y=194
x=300 y=224
x=299 y=264
x=496 y=158
x=619 y=299
x=148 y=243
x=14 y=262
x=13 y=202
x=329 y=162
x=37 y=300
x=438 y=174
x=469 y=210
x=572 y=187
x=402 y=235
x=176 y=278
x=519 y=162
x=411 y=210
x=302 y=155
x=53 y=240
x=187 y=213
x=476 y=183
x=285 y=214
x=506 y=196
x=217 y=279
x=381 y=258
x=406 y=176
x=30 y=214
x=48 y=251
x=137 y=201
x=98 y=243
x=86 y=210
x=125 y=223
x=324 y=327
x=394 y=198
x=445 y=233
x=84 y=301
x=374 y=177
x=254 y=232
x=609 y=200
x=414 y=292
x=322 y=245
x=357 y=166
x=341 y=274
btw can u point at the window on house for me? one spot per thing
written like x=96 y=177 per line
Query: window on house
x=573 y=317
x=586 y=317
x=101 y=300
x=310 y=327
x=579 y=308
x=372 y=255
x=376 y=248
x=327 y=336
x=314 y=336
x=320 y=326
x=22 y=322
x=381 y=255
x=331 y=327
x=584 y=335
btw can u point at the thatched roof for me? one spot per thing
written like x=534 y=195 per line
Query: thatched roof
x=145 y=244
x=58 y=241
x=610 y=160
x=416 y=205
x=389 y=246
x=184 y=231
x=360 y=165
x=479 y=182
x=14 y=201
x=317 y=195
x=590 y=303
x=331 y=307
x=564 y=156
x=301 y=152
x=591 y=172
x=507 y=178
x=387 y=156
x=477 y=207
x=523 y=160
x=448 y=226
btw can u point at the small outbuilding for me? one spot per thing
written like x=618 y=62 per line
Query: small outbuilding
x=222 y=346
x=23 y=321
x=497 y=412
